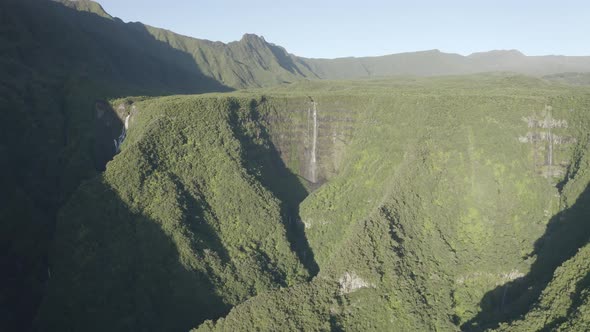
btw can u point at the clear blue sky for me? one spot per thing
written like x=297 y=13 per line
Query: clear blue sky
x=341 y=28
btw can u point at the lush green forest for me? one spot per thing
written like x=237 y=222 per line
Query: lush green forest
x=570 y=78
x=441 y=217
x=408 y=230
x=144 y=191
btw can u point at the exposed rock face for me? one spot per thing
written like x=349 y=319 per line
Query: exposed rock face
x=311 y=136
x=500 y=278
x=549 y=137
x=314 y=140
x=107 y=128
x=351 y=282
x=111 y=125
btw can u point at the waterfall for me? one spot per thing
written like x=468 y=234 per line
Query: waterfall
x=312 y=160
x=550 y=149
x=121 y=137
x=550 y=124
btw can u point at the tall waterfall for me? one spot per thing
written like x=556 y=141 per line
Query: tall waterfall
x=312 y=160
x=121 y=137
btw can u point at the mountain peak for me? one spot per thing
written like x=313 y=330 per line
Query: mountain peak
x=85 y=6
x=496 y=53
x=252 y=38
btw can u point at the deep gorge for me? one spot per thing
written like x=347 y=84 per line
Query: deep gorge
x=157 y=182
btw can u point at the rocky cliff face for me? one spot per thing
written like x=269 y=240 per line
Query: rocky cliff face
x=311 y=135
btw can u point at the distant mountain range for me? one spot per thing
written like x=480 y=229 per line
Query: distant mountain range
x=254 y=62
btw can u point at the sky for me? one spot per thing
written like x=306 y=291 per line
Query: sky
x=330 y=29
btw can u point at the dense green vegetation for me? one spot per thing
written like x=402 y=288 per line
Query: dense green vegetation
x=435 y=62
x=446 y=203
x=439 y=210
x=185 y=226
x=570 y=78
x=410 y=231
x=55 y=63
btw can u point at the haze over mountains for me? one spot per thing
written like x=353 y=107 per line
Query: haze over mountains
x=291 y=193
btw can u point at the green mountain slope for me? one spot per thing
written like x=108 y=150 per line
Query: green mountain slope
x=435 y=63
x=437 y=204
x=436 y=197
x=564 y=304
x=185 y=228
x=253 y=62
x=250 y=62
x=570 y=78
x=439 y=207
x=56 y=63
x=59 y=63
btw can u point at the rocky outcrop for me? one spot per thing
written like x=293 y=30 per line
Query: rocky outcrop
x=110 y=130
x=350 y=282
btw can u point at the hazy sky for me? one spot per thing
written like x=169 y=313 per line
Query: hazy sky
x=365 y=27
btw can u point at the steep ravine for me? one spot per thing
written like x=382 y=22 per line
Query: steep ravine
x=199 y=196
x=421 y=207
x=437 y=203
x=59 y=60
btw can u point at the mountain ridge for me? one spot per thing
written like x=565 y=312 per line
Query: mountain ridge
x=263 y=63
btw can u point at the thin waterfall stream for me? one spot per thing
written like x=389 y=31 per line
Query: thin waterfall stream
x=313 y=159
